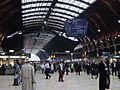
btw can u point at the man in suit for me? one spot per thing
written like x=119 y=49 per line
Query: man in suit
x=104 y=78
x=61 y=70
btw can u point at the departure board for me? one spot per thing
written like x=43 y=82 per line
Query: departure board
x=76 y=27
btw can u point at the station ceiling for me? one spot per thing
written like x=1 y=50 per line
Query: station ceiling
x=41 y=21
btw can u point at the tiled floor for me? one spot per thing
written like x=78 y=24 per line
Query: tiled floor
x=72 y=82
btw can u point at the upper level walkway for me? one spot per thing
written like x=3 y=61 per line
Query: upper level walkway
x=72 y=82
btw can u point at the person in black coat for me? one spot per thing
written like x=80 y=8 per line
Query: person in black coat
x=107 y=74
x=114 y=68
x=61 y=70
x=94 y=69
x=104 y=80
x=67 y=68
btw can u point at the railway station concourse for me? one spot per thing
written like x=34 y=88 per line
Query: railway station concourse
x=76 y=32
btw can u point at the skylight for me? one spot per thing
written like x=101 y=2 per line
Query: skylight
x=32 y=10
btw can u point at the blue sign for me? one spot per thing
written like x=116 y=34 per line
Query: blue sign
x=76 y=27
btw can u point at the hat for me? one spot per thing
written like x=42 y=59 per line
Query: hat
x=27 y=60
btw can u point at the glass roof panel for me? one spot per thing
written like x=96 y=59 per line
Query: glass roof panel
x=32 y=17
x=34 y=20
x=65 y=11
x=56 y=21
x=54 y=17
x=68 y=7
x=35 y=9
x=35 y=5
x=59 y=14
x=68 y=10
x=31 y=23
x=90 y=1
x=36 y=13
x=55 y=24
x=26 y=1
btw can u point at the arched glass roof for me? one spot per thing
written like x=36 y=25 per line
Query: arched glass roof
x=54 y=12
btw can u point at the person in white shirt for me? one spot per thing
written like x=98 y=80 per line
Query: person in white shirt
x=42 y=67
x=47 y=70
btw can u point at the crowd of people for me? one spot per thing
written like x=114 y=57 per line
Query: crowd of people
x=25 y=71
x=95 y=68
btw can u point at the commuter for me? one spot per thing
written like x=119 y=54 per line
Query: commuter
x=104 y=75
x=78 y=68
x=118 y=67
x=35 y=68
x=17 y=78
x=52 y=68
x=67 y=68
x=107 y=74
x=61 y=70
x=94 y=69
x=28 y=76
x=72 y=67
x=47 y=70
x=42 y=68
x=88 y=67
x=114 y=68
x=3 y=67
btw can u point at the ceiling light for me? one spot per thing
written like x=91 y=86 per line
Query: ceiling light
x=118 y=21
x=101 y=41
x=98 y=30
x=45 y=22
x=118 y=35
x=20 y=32
x=115 y=37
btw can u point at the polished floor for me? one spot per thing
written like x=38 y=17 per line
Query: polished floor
x=72 y=82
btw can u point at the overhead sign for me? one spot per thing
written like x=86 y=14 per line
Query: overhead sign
x=76 y=27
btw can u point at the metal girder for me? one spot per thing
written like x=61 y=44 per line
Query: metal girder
x=50 y=9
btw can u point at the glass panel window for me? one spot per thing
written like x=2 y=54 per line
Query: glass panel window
x=90 y=1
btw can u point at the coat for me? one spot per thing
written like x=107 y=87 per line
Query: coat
x=28 y=78
x=104 y=79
